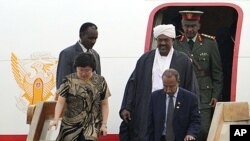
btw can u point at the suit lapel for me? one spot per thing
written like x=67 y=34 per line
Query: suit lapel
x=78 y=48
x=185 y=46
x=173 y=60
x=178 y=102
x=197 y=45
x=162 y=104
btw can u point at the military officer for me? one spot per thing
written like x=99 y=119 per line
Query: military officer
x=202 y=49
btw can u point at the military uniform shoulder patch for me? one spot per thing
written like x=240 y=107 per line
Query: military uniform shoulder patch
x=208 y=36
x=180 y=38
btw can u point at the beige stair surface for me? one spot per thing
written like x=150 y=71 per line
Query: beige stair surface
x=226 y=114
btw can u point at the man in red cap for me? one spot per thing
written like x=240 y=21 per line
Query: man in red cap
x=203 y=50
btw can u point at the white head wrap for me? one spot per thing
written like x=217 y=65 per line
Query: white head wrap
x=168 y=30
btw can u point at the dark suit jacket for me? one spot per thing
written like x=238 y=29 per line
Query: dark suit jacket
x=186 y=120
x=139 y=89
x=66 y=62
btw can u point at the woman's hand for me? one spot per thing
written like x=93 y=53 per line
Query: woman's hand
x=104 y=130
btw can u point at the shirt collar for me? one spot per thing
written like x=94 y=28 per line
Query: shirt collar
x=194 y=38
x=82 y=46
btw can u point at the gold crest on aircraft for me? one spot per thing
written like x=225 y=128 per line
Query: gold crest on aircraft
x=36 y=78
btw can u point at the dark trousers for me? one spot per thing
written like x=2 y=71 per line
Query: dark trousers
x=163 y=138
x=206 y=115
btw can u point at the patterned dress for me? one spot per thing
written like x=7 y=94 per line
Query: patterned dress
x=82 y=113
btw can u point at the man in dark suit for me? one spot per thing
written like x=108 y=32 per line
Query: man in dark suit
x=185 y=121
x=147 y=77
x=88 y=35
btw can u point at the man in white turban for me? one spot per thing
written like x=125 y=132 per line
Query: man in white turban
x=168 y=30
x=146 y=78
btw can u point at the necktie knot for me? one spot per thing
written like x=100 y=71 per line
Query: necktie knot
x=170 y=95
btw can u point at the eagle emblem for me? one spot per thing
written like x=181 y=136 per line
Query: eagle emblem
x=36 y=78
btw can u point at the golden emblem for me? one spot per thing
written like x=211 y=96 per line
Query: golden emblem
x=37 y=81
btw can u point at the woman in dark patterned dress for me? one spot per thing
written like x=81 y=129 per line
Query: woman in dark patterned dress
x=84 y=95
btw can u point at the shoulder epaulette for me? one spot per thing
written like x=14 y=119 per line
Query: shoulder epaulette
x=178 y=36
x=208 y=36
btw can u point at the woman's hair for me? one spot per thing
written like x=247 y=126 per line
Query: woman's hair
x=84 y=60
